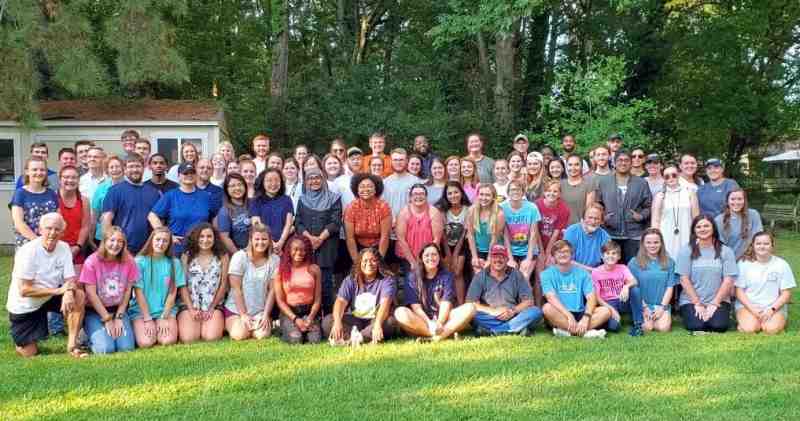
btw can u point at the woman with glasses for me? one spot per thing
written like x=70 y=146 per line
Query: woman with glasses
x=673 y=210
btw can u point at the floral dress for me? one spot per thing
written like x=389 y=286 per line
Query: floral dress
x=203 y=283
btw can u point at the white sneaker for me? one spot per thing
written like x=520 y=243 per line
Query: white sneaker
x=595 y=334
x=560 y=333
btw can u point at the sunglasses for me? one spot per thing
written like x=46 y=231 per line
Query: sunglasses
x=637 y=156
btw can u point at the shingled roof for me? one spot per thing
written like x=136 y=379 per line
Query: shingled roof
x=136 y=110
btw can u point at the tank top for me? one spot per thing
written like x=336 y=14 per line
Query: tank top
x=204 y=282
x=419 y=230
x=73 y=216
x=483 y=237
x=454 y=226
x=299 y=288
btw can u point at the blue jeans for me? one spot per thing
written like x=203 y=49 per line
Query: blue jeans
x=526 y=318
x=55 y=323
x=101 y=342
x=633 y=306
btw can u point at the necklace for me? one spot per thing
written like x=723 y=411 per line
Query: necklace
x=675 y=210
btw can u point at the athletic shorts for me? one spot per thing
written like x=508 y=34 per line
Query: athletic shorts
x=28 y=328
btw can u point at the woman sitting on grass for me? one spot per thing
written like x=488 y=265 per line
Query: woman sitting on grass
x=364 y=301
x=654 y=270
x=160 y=275
x=108 y=276
x=763 y=288
x=206 y=266
x=429 y=297
x=298 y=292
x=248 y=309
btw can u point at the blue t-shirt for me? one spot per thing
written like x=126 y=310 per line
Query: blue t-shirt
x=216 y=195
x=586 y=247
x=732 y=237
x=363 y=302
x=130 y=204
x=518 y=225
x=706 y=272
x=272 y=212
x=712 y=198
x=155 y=281
x=570 y=287
x=33 y=205
x=436 y=290
x=182 y=211
x=98 y=199
x=236 y=222
x=654 y=280
x=52 y=180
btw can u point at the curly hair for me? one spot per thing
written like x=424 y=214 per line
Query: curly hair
x=193 y=241
x=285 y=266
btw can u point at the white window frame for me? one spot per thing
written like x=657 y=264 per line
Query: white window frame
x=17 y=150
x=156 y=136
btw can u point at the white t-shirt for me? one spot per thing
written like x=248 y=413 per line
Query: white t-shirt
x=342 y=186
x=255 y=281
x=763 y=282
x=261 y=164
x=47 y=270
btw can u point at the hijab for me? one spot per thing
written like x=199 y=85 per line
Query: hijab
x=318 y=200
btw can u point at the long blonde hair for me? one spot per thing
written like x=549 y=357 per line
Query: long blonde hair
x=494 y=210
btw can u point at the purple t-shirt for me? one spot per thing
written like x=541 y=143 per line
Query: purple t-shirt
x=364 y=302
x=436 y=290
x=111 y=278
x=608 y=284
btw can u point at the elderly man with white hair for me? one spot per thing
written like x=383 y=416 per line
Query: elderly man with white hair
x=44 y=280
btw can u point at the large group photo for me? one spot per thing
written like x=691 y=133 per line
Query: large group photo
x=499 y=252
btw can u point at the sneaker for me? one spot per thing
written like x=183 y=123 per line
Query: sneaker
x=595 y=334
x=561 y=333
x=482 y=331
x=699 y=333
x=526 y=332
x=636 y=331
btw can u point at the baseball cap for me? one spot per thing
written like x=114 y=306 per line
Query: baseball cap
x=186 y=167
x=498 y=250
x=354 y=151
x=520 y=137
x=714 y=162
x=613 y=136
x=653 y=157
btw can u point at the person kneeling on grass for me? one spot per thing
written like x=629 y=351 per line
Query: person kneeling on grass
x=298 y=292
x=160 y=275
x=248 y=309
x=763 y=288
x=429 y=296
x=654 y=270
x=617 y=289
x=108 y=276
x=503 y=298
x=43 y=280
x=364 y=302
x=205 y=263
x=571 y=306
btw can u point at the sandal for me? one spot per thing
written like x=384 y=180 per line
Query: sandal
x=78 y=353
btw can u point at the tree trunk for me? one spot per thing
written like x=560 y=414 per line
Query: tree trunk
x=485 y=73
x=505 y=54
x=535 y=73
x=280 y=78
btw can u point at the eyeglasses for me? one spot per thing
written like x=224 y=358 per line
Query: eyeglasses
x=637 y=156
x=670 y=175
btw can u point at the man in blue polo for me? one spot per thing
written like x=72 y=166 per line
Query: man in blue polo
x=587 y=237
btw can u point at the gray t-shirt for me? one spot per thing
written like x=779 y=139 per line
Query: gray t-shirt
x=733 y=236
x=575 y=198
x=255 y=281
x=395 y=191
x=486 y=169
x=706 y=272
x=509 y=292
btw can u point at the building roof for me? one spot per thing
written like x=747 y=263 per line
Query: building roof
x=123 y=110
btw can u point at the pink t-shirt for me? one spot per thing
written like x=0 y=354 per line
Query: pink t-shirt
x=608 y=284
x=110 y=278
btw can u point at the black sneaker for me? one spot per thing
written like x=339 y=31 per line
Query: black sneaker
x=526 y=332
x=482 y=331
x=636 y=330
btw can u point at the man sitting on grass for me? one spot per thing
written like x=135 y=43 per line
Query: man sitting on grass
x=571 y=306
x=503 y=298
x=44 y=280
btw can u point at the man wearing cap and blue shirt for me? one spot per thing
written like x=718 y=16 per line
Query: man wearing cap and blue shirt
x=521 y=144
x=712 y=195
x=503 y=298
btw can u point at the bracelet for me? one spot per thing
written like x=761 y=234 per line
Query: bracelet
x=118 y=316
x=108 y=318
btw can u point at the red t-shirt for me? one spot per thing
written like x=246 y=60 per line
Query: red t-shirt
x=555 y=218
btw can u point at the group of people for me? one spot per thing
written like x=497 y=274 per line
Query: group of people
x=136 y=253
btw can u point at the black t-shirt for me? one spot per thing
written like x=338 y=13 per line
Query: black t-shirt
x=164 y=187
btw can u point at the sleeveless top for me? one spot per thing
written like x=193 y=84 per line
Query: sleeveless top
x=454 y=226
x=419 y=230
x=483 y=237
x=299 y=288
x=676 y=215
x=73 y=216
x=203 y=283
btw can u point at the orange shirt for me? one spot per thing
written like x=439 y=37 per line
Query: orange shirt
x=366 y=218
x=299 y=288
x=387 y=164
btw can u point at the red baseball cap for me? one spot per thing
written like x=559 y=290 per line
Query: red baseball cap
x=498 y=250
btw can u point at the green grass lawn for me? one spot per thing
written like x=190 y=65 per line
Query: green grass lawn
x=660 y=376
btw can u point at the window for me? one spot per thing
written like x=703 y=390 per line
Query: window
x=169 y=146
x=7 y=166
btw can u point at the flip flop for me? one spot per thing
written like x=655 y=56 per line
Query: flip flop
x=78 y=353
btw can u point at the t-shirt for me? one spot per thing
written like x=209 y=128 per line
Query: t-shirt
x=454 y=227
x=436 y=290
x=111 y=278
x=712 y=197
x=235 y=220
x=486 y=169
x=88 y=184
x=555 y=218
x=45 y=269
x=256 y=282
x=518 y=224
x=506 y=292
x=395 y=191
x=586 y=246
x=608 y=283
x=164 y=187
x=52 y=180
x=706 y=272
x=215 y=194
x=732 y=237
x=155 y=280
x=131 y=204
x=272 y=212
x=181 y=211
x=366 y=217
x=97 y=206
x=570 y=287
x=363 y=302
x=654 y=280
x=763 y=282
x=33 y=205
x=575 y=198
